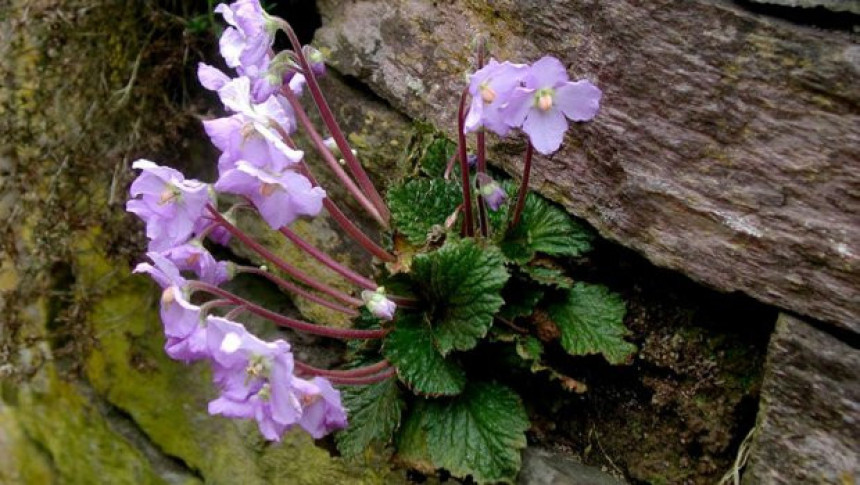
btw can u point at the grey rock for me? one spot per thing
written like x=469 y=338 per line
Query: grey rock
x=727 y=147
x=809 y=419
x=852 y=6
x=544 y=467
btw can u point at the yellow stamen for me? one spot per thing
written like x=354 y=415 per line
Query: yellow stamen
x=168 y=296
x=487 y=94
x=545 y=102
x=268 y=189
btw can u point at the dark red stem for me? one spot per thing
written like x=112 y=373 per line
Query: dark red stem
x=325 y=153
x=468 y=224
x=363 y=381
x=350 y=373
x=280 y=263
x=300 y=291
x=327 y=260
x=331 y=123
x=348 y=226
x=524 y=186
x=284 y=321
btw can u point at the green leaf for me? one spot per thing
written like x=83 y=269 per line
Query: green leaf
x=411 y=349
x=419 y=204
x=374 y=414
x=529 y=348
x=548 y=276
x=479 y=433
x=461 y=282
x=436 y=156
x=591 y=321
x=544 y=228
x=520 y=299
x=411 y=442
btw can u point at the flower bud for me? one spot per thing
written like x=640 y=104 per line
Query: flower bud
x=491 y=191
x=378 y=305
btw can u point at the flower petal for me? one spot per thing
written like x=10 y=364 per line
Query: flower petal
x=545 y=129
x=578 y=100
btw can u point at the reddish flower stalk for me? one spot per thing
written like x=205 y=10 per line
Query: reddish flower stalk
x=325 y=153
x=331 y=123
x=298 y=290
x=280 y=263
x=482 y=150
x=348 y=226
x=468 y=224
x=327 y=260
x=357 y=372
x=524 y=186
x=363 y=381
x=284 y=321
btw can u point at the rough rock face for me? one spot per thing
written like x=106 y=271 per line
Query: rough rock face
x=809 y=424
x=835 y=5
x=727 y=147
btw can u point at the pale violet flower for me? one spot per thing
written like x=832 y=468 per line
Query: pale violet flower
x=184 y=326
x=169 y=204
x=192 y=256
x=322 y=411
x=255 y=378
x=490 y=88
x=546 y=98
x=250 y=35
x=281 y=196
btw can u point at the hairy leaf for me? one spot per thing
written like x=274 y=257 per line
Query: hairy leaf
x=461 y=282
x=411 y=349
x=548 y=276
x=544 y=228
x=591 y=320
x=419 y=204
x=479 y=433
x=374 y=414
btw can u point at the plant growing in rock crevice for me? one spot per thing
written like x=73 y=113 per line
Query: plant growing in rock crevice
x=465 y=273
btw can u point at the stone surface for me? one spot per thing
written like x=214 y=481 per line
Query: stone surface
x=852 y=6
x=809 y=418
x=727 y=147
x=543 y=467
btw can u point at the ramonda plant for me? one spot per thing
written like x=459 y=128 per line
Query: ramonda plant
x=468 y=266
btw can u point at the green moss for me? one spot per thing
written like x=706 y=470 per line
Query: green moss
x=60 y=423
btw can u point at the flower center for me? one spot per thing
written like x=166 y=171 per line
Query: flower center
x=487 y=93
x=168 y=296
x=308 y=399
x=193 y=259
x=268 y=189
x=544 y=98
x=168 y=195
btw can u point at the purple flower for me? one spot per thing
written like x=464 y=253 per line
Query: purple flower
x=251 y=33
x=194 y=257
x=280 y=196
x=164 y=272
x=239 y=138
x=491 y=191
x=546 y=98
x=183 y=326
x=169 y=205
x=218 y=235
x=490 y=87
x=255 y=377
x=377 y=304
x=322 y=411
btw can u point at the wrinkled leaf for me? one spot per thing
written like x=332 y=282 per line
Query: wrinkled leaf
x=479 y=433
x=591 y=320
x=374 y=414
x=411 y=349
x=548 y=276
x=419 y=204
x=461 y=282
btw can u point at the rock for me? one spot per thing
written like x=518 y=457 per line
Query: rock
x=852 y=6
x=809 y=417
x=543 y=467
x=727 y=146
